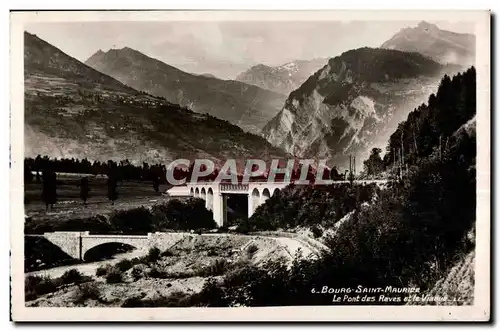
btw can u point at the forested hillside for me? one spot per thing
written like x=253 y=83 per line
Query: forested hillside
x=434 y=124
x=410 y=236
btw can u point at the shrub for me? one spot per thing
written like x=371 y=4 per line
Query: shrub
x=242 y=228
x=316 y=231
x=136 y=220
x=72 y=276
x=132 y=302
x=138 y=272
x=167 y=253
x=216 y=268
x=87 y=291
x=251 y=250
x=34 y=286
x=157 y=273
x=223 y=229
x=124 y=265
x=102 y=270
x=114 y=276
x=154 y=254
x=212 y=252
x=176 y=299
x=177 y=215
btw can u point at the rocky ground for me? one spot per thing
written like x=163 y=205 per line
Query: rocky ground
x=181 y=270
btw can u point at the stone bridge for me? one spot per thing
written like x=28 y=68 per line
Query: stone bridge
x=215 y=195
x=76 y=244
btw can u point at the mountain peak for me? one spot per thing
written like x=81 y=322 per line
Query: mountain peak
x=281 y=79
x=427 y=26
x=441 y=45
x=260 y=66
x=249 y=107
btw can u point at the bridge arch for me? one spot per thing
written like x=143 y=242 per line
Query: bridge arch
x=210 y=199
x=265 y=195
x=203 y=193
x=276 y=191
x=191 y=192
x=253 y=201
x=197 y=192
x=106 y=250
x=89 y=242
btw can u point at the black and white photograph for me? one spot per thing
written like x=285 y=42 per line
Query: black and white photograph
x=192 y=161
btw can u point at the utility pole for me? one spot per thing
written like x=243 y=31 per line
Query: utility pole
x=402 y=155
x=401 y=164
x=351 y=175
x=354 y=161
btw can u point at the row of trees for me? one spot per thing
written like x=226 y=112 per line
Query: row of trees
x=49 y=183
x=49 y=188
x=123 y=170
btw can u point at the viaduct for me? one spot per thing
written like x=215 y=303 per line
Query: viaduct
x=215 y=194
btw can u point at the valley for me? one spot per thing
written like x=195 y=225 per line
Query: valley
x=102 y=229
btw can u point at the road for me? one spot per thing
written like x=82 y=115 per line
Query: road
x=88 y=269
x=290 y=245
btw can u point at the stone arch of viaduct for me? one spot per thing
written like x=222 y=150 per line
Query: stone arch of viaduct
x=215 y=195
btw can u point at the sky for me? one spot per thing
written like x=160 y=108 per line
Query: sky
x=225 y=49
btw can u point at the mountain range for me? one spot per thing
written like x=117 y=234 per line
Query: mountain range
x=73 y=110
x=125 y=104
x=282 y=79
x=353 y=103
x=247 y=106
x=441 y=45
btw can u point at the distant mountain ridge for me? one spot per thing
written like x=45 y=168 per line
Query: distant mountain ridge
x=441 y=45
x=247 y=106
x=72 y=110
x=282 y=79
x=353 y=103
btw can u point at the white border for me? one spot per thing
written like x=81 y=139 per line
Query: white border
x=480 y=311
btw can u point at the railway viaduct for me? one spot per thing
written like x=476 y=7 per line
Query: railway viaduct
x=215 y=194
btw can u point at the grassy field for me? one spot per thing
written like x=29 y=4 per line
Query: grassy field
x=131 y=194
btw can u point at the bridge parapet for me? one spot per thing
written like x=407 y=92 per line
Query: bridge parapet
x=76 y=244
x=68 y=242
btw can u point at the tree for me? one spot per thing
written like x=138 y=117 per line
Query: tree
x=374 y=164
x=112 y=182
x=84 y=189
x=334 y=174
x=49 y=188
x=156 y=183
x=28 y=176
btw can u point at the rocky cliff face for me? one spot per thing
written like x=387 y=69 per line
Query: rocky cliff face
x=441 y=45
x=250 y=107
x=282 y=79
x=353 y=103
